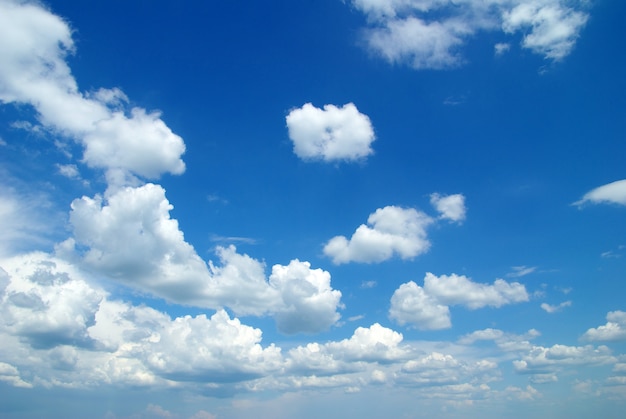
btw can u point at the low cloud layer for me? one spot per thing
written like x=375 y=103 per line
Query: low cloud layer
x=330 y=134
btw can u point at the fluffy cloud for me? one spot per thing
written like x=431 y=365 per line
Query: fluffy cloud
x=430 y=33
x=613 y=193
x=309 y=303
x=33 y=47
x=131 y=238
x=458 y=289
x=411 y=304
x=390 y=230
x=541 y=360
x=450 y=207
x=613 y=330
x=331 y=133
x=427 y=308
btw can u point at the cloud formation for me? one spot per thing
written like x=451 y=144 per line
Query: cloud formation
x=611 y=193
x=330 y=134
x=124 y=142
x=391 y=230
x=613 y=330
x=426 y=308
x=431 y=33
x=449 y=207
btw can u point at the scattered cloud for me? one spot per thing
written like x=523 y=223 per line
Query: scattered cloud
x=450 y=207
x=430 y=34
x=501 y=47
x=368 y=284
x=555 y=309
x=35 y=72
x=458 y=289
x=520 y=271
x=330 y=134
x=613 y=330
x=427 y=308
x=611 y=193
x=545 y=360
x=391 y=230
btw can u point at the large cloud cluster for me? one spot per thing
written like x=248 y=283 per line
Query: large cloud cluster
x=430 y=33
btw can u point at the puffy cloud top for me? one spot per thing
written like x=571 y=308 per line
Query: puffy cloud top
x=613 y=330
x=330 y=134
x=390 y=230
x=450 y=207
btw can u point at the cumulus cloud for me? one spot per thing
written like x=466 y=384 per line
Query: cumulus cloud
x=613 y=330
x=131 y=238
x=611 y=193
x=458 y=289
x=542 y=360
x=391 y=230
x=411 y=304
x=330 y=134
x=431 y=33
x=33 y=46
x=449 y=207
x=427 y=308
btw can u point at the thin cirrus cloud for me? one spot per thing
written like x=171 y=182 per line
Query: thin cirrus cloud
x=431 y=33
x=611 y=193
x=394 y=230
x=427 y=307
x=330 y=134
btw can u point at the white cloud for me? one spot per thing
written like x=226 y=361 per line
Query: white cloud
x=430 y=33
x=450 y=207
x=33 y=46
x=542 y=360
x=309 y=304
x=613 y=330
x=330 y=134
x=427 y=308
x=554 y=309
x=131 y=238
x=520 y=271
x=507 y=342
x=501 y=47
x=458 y=289
x=613 y=193
x=390 y=230
x=411 y=304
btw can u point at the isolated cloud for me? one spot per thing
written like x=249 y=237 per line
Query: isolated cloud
x=391 y=230
x=33 y=46
x=410 y=304
x=554 y=309
x=613 y=330
x=427 y=308
x=450 y=207
x=458 y=289
x=431 y=33
x=330 y=134
x=612 y=193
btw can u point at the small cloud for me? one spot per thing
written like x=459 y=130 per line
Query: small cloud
x=2 y=142
x=520 y=271
x=454 y=101
x=501 y=47
x=368 y=284
x=613 y=330
x=355 y=318
x=232 y=239
x=613 y=254
x=611 y=193
x=554 y=309
x=330 y=134
x=450 y=207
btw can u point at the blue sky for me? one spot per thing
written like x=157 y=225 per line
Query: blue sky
x=364 y=208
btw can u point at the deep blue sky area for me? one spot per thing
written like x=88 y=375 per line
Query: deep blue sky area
x=312 y=208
